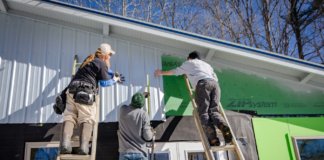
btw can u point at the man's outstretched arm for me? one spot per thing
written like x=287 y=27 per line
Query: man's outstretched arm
x=159 y=72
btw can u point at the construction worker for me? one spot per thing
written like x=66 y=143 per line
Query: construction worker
x=207 y=95
x=82 y=97
x=134 y=129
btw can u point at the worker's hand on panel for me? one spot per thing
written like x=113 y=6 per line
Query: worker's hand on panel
x=119 y=77
x=157 y=73
x=146 y=94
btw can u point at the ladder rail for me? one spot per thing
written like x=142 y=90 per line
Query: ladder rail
x=207 y=147
x=95 y=132
x=149 y=110
x=73 y=157
x=208 y=152
x=238 y=149
x=202 y=135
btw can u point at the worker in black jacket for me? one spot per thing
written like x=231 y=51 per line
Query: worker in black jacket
x=82 y=97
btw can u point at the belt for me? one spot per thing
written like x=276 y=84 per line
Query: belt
x=75 y=86
x=206 y=79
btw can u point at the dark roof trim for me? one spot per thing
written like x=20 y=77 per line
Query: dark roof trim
x=187 y=34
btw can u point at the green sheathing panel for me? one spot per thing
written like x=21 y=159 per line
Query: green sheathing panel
x=241 y=91
x=273 y=136
x=244 y=91
x=176 y=96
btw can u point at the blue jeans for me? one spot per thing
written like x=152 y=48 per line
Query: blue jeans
x=132 y=156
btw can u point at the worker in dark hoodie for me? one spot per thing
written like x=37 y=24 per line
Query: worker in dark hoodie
x=134 y=129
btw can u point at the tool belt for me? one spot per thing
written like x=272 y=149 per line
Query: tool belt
x=83 y=92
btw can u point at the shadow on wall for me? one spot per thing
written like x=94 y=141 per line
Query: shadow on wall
x=37 y=110
x=114 y=112
x=42 y=58
x=40 y=109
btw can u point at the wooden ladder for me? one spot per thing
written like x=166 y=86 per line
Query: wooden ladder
x=207 y=148
x=76 y=65
x=92 y=156
x=150 y=145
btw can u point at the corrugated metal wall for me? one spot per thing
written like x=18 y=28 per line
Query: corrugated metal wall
x=36 y=64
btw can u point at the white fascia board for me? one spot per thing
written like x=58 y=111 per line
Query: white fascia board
x=306 y=78
x=105 y=29
x=3 y=6
x=173 y=36
x=210 y=54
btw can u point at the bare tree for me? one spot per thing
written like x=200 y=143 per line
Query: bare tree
x=149 y=11
x=124 y=8
x=224 y=21
x=276 y=34
x=315 y=44
x=105 y=5
x=301 y=15
x=267 y=13
x=168 y=10
x=245 y=12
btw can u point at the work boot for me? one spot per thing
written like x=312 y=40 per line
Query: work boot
x=65 y=143
x=226 y=133
x=215 y=142
x=85 y=136
x=211 y=135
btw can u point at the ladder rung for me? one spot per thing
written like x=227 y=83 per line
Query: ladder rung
x=223 y=148
x=74 y=157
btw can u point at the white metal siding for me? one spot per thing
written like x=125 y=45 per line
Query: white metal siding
x=36 y=63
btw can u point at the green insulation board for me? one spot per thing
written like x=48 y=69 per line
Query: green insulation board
x=274 y=135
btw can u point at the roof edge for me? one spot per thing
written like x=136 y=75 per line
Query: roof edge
x=192 y=35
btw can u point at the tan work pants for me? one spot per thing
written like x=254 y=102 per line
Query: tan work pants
x=79 y=113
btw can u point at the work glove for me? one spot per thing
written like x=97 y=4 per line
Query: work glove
x=119 y=77
x=146 y=94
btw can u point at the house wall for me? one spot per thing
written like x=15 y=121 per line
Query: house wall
x=175 y=136
x=273 y=135
x=36 y=59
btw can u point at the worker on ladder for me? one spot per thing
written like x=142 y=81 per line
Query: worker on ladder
x=134 y=129
x=207 y=96
x=82 y=97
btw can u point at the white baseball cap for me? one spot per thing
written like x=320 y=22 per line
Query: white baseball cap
x=106 y=49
